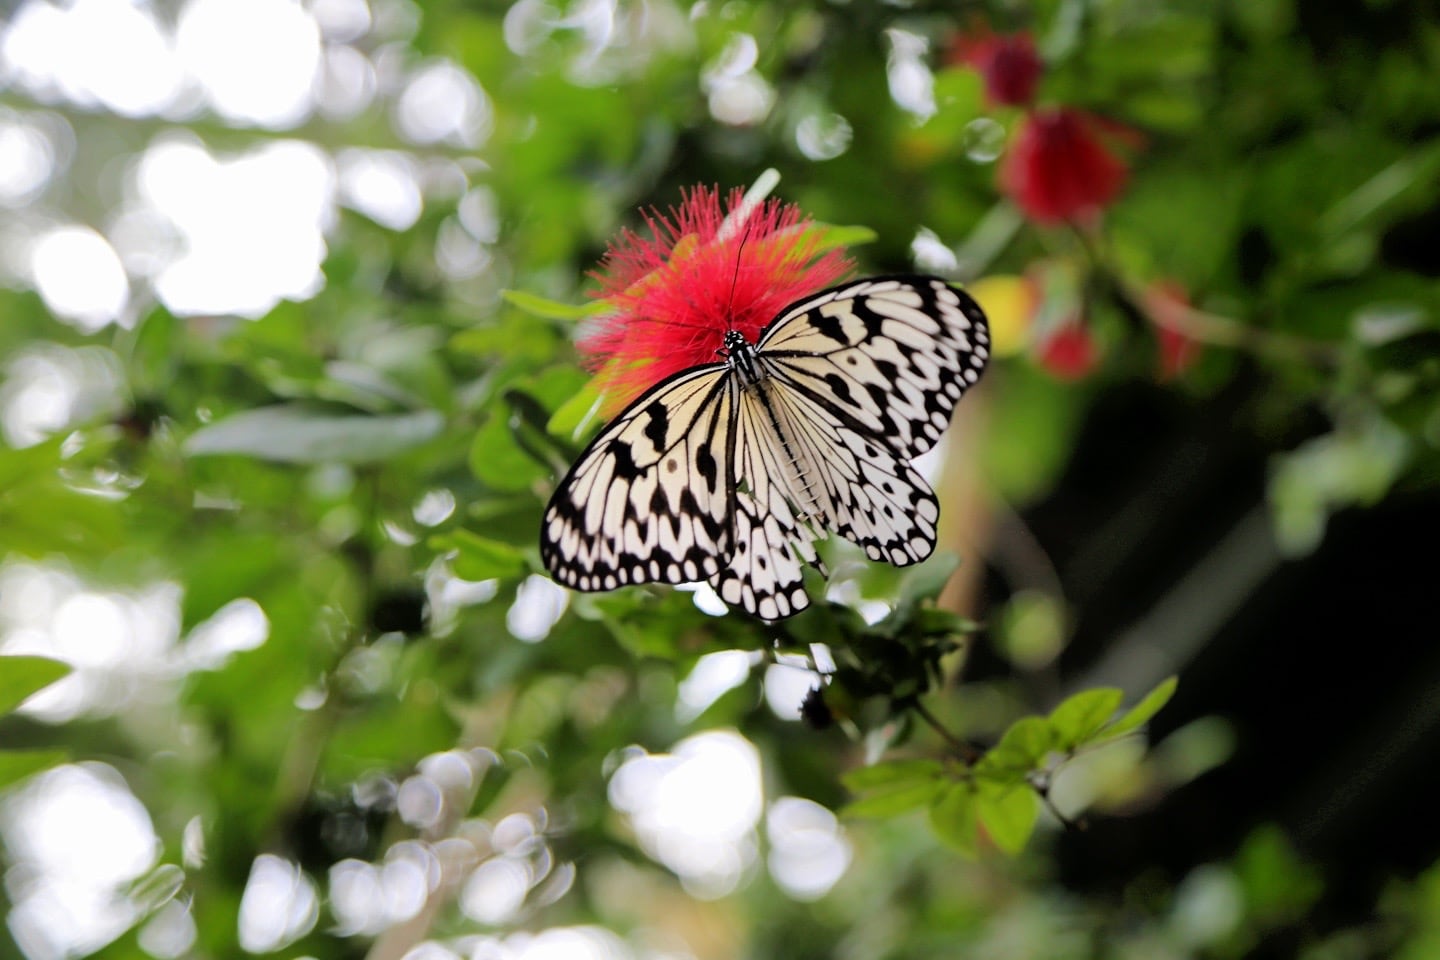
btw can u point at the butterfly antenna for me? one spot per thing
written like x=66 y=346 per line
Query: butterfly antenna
x=735 y=279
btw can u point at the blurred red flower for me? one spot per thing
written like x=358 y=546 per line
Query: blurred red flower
x=1070 y=353
x=675 y=293
x=1166 y=303
x=1008 y=63
x=1059 y=167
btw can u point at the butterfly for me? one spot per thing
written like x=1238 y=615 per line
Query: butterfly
x=730 y=471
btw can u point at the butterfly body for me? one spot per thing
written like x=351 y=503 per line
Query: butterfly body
x=730 y=471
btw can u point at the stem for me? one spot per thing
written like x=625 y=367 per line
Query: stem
x=1200 y=325
x=967 y=751
x=1043 y=792
x=1212 y=328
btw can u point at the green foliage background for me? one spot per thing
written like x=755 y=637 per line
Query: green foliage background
x=1288 y=180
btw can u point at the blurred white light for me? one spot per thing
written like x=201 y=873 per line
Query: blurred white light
x=39 y=394
x=404 y=888
x=845 y=589
x=539 y=604
x=347 y=83
x=430 y=950
x=1208 y=906
x=712 y=675
x=443 y=104
x=808 y=850
x=434 y=508
x=528 y=24
x=983 y=140
x=80 y=836
x=29 y=594
x=169 y=933
x=930 y=253
x=79 y=276
x=452 y=771
x=118 y=643
x=419 y=802
x=787 y=684
x=706 y=599
x=192 y=843
x=695 y=810
x=823 y=136
x=738 y=58
x=145 y=240
x=93 y=52
x=479 y=213
x=744 y=101
x=382 y=185
x=257 y=59
x=48 y=388
x=912 y=85
x=238 y=626
x=515 y=833
x=90 y=630
x=341 y=20
x=253 y=227
x=457 y=253
x=567 y=943
x=26 y=160
x=595 y=20
x=357 y=899
x=278 y=907
x=495 y=892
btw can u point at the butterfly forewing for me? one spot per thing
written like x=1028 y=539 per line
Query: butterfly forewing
x=650 y=499
x=892 y=354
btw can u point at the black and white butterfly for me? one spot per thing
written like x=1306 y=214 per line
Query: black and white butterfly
x=730 y=471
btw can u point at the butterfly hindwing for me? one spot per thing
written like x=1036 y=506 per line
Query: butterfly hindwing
x=891 y=354
x=772 y=532
x=858 y=486
x=650 y=500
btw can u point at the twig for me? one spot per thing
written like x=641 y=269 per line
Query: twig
x=967 y=751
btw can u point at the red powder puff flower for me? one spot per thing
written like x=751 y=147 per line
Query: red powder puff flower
x=1167 y=304
x=675 y=294
x=1008 y=63
x=1070 y=353
x=1059 y=167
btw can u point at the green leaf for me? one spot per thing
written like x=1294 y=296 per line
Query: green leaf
x=895 y=800
x=499 y=461
x=954 y=816
x=480 y=558
x=925 y=581
x=828 y=236
x=890 y=773
x=296 y=434
x=1009 y=814
x=1079 y=718
x=22 y=676
x=553 y=309
x=573 y=417
x=1150 y=705
x=17 y=765
x=1032 y=629
x=1021 y=749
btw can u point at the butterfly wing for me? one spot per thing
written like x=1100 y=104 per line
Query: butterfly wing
x=852 y=482
x=890 y=355
x=860 y=379
x=651 y=499
x=703 y=478
x=772 y=535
